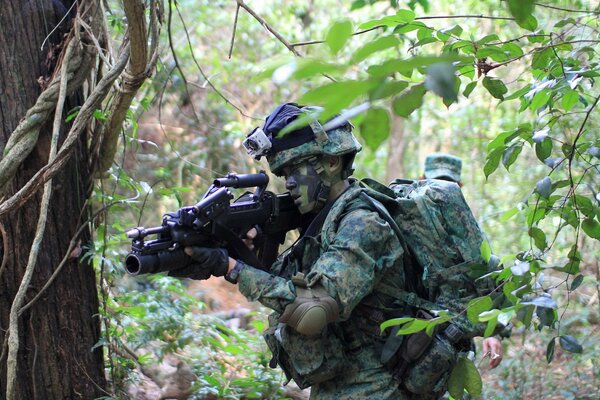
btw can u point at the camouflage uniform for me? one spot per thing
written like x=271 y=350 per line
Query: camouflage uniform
x=353 y=253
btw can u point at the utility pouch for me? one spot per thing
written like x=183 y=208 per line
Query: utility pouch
x=305 y=359
x=430 y=372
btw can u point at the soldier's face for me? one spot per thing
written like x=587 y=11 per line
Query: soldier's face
x=304 y=183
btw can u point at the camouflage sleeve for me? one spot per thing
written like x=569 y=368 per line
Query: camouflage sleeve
x=364 y=248
x=271 y=291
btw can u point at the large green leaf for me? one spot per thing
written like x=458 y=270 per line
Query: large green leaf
x=375 y=127
x=570 y=343
x=493 y=160
x=521 y=9
x=591 y=227
x=539 y=237
x=379 y=44
x=440 y=80
x=335 y=96
x=496 y=87
x=464 y=376
x=409 y=101
x=338 y=35
x=569 y=99
x=511 y=154
x=477 y=306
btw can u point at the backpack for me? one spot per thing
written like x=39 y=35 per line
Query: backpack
x=444 y=269
x=442 y=238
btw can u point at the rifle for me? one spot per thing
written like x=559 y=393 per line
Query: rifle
x=215 y=221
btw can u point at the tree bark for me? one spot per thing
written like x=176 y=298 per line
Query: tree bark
x=56 y=358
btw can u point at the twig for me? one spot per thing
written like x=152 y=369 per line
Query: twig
x=58 y=25
x=567 y=9
x=176 y=60
x=237 y=12
x=191 y=49
x=322 y=41
x=479 y=16
x=264 y=23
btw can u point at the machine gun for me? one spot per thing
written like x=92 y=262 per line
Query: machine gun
x=216 y=221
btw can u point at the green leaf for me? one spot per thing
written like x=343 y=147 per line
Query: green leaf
x=375 y=127
x=477 y=306
x=521 y=10
x=492 y=162
x=402 y=16
x=569 y=99
x=329 y=96
x=539 y=237
x=544 y=187
x=540 y=99
x=405 y=15
x=338 y=35
x=388 y=89
x=464 y=376
x=469 y=88
x=509 y=214
x=409 y=101
x=570 y=343
x=379 y=44
x=412 y=327
x=440 y=80
x=541 y=59
x=550 y=350
x=495 y=86
x=511 y=154
x=530 y=23
x=394 y=322
x=485 y=250
x=543 y=149
x=591 y=227
x=576 y=282
x=544 y=301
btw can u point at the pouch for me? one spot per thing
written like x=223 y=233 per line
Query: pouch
x=306 y=359
x=430 y=372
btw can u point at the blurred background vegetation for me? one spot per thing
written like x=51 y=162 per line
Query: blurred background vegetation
x=221 y=72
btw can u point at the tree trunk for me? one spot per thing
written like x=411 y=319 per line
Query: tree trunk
x=396 y=149
x=56 y=357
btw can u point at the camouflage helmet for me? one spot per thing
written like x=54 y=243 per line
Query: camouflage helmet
x=301 y=143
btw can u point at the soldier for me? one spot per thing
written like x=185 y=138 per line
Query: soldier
x=448 y=167
x=330 y=292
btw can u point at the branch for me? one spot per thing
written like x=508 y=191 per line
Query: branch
x=4 y=249
x=479 y=16
x=268 y=27
x=133 y=78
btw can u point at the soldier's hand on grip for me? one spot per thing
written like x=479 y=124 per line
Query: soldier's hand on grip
x=207 y=262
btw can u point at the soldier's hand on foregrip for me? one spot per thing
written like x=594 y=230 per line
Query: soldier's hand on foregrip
x=207 y=262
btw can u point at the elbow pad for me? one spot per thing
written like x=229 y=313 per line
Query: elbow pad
x=312 y=309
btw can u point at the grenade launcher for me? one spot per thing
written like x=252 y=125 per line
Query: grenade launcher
x=217 y=221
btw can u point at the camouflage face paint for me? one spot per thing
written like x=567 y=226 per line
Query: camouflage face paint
x=305 y=185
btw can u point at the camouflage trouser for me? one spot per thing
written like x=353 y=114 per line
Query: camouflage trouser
x=365 y=378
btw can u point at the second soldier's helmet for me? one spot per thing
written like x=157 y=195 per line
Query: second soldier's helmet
x=309 y=139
